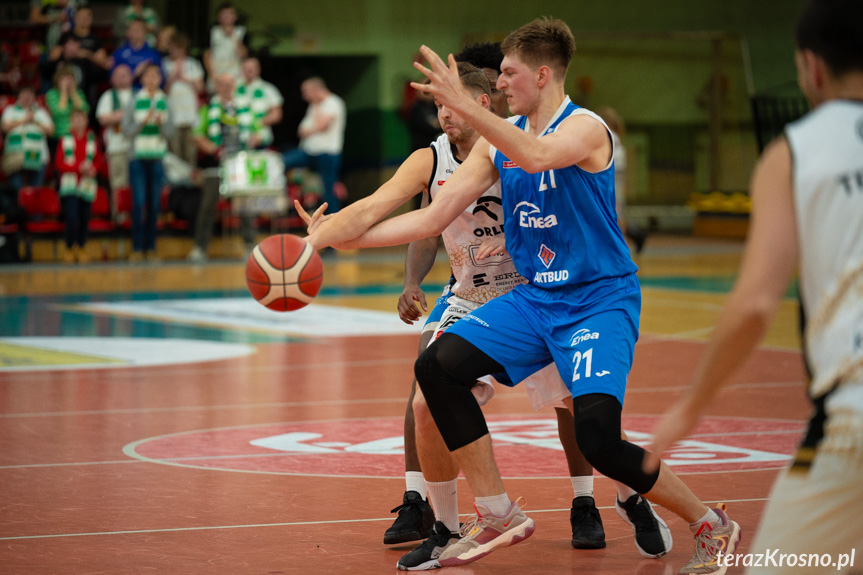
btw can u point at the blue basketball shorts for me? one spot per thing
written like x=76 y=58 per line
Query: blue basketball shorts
x=437 y=310
x=588 y=331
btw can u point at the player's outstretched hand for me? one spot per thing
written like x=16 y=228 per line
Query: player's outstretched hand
x=314 y=220
x=495 y=246
x=444 y=83
x=676 y=424
x=408 y=311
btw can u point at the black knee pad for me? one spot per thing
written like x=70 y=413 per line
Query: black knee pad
x=597 y=430
x=445 y=373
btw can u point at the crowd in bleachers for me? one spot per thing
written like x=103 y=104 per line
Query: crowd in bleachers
x=96 y=120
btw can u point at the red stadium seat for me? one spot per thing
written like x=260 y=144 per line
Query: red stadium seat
x=100 y=213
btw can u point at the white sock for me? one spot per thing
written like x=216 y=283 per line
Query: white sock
x=710 y=517
x=497 y=504
x=444 y=500
x=415 y=482
x=624 y=492
x=582 y=486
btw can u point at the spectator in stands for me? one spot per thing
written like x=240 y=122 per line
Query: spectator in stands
x=219 y=135
x=78 y=161
x=64 y=98
x=164 y=39
x=148 y=123
x=27 y=126
x=261 y=98
x=57 y=16
x=137 y=10
x=322 y=134
x=109 y=112
x=90 y=45
x=135 y=52
x=184 y=81
x=68 y=54
x=227 y=44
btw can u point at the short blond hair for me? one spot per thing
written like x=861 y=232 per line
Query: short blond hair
x=543 y=42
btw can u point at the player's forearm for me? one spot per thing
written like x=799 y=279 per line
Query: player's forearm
x=347 y=225
x=396 y=231
x=420 y=260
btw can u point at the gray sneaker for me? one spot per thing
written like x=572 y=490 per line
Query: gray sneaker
x=710 y=544
x=485 y=532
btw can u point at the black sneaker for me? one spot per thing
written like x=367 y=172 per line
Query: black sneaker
x=426 y=555
x=587 y=531
x=652 y=536
x=414 y=522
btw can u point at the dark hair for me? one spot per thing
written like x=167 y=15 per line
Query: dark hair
x=473 y=79
x=180 y=41
x=833 y=29
x=487 y=55
x=543 y=42
x=225 y=6
x=137 y=19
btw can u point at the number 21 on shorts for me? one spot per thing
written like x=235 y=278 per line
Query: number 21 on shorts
x=587 y=357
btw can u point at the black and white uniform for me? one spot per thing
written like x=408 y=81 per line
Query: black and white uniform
x=479 y=281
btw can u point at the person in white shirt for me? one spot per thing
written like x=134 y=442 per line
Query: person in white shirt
x=27 y=126
x=260 y=97
x=227 y=45
x=322 y=135
x=109 y=113
x=807 y=210
x=184 y=80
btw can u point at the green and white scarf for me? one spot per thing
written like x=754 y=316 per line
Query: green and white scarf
x=150 y=144
x=70 y=182
x=216 y=118
x=28 y=139
x=251 y=100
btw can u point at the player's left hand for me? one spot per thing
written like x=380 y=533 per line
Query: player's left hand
x=317 y=218
x=676 y=424
x=444 y=82
x=495 y=246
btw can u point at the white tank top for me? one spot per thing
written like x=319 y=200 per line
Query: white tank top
x=476 y=281
x=827 y=167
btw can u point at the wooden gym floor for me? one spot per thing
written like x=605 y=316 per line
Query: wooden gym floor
x=155 y=419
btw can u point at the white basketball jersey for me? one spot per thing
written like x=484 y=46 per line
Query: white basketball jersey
x=476 y=281
x=827 y=159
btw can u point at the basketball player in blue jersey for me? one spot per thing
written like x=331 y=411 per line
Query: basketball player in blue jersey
x=807 y=216
x=427 y=170
x=579 y=310
x=415 y=517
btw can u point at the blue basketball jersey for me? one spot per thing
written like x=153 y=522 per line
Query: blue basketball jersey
x=561 y=225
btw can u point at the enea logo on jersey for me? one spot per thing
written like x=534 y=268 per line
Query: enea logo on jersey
x=509 y=164
x=530 y=217
x=581 y=336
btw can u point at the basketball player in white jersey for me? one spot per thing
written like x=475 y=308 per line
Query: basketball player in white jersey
x=472 y=235
x=807 y=215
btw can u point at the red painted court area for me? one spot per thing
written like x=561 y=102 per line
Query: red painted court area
x=288 y=461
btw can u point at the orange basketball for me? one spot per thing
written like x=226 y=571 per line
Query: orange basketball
x=284 y=273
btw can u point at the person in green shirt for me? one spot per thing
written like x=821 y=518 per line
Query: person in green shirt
x=62 y=99
x=225 y=127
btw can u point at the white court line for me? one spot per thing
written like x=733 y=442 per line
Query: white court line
x=346 y=402
x=290 y=524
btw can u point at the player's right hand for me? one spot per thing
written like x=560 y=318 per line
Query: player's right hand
x=408 y=310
